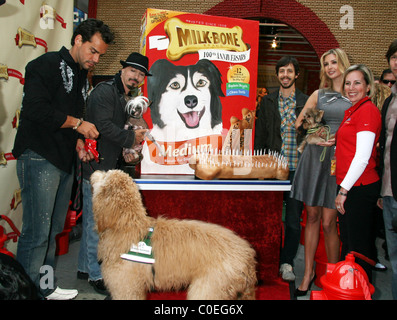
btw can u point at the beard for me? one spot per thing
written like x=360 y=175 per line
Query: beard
x=130 y=83
x=133 y=85
x=289 y=85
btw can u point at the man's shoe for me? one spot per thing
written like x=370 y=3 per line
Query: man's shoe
x=379 y=267
x=82 y=275
x=62 y=294
x=99 y=286
x=287 y=272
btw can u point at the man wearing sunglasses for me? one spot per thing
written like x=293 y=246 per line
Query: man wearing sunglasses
x=106 y=109
x=387 y=78
x=388 y=167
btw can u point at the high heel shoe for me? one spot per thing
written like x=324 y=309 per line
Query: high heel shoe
x=301 y=293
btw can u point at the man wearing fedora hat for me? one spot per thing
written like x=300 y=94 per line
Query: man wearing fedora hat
x=137 y=61
x=106 y=109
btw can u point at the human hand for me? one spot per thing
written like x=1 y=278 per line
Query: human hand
x=88 y=130
x=379 y=203
x=131 y=156
x=340 y=200
x=328 y=143
x=140 y=135
x=83 y=154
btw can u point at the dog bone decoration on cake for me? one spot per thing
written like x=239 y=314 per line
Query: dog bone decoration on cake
x=233 y=165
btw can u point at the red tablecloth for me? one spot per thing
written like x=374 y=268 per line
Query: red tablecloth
x=254 y=215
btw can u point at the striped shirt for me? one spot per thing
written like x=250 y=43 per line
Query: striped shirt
x=289 y=148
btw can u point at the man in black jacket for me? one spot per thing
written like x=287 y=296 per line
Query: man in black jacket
x=106 y=109
x=45 y=147
x=275 y=130
x=388 y=167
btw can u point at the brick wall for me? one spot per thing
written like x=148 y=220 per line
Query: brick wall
x=124 y=17
x=319 y=21
x=373 y=30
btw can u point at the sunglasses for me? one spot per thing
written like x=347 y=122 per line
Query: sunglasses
x=389 y=81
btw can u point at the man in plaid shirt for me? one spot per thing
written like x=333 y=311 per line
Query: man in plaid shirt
x=286 y=106
x=275 y=130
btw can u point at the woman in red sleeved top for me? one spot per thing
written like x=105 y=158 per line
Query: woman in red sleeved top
x=356 y=172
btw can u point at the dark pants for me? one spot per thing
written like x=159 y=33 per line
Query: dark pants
x=357 y=231
x=293 y=212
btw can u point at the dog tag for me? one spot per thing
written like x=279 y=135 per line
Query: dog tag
x=333 y=166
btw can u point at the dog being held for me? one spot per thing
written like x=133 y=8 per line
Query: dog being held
x=313 y=128
x=210 y=261
x=135 y=108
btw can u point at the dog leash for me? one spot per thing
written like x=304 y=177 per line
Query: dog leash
x=314 y=130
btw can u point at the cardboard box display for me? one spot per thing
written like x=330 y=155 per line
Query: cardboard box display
x=204 y=71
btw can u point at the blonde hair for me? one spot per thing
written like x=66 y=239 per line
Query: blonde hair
x=367 y=74
x=380 y=94
x=343 y=64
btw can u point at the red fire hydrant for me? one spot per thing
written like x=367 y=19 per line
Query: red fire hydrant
x=345 y=280
x=62 y=239
x=5 y=237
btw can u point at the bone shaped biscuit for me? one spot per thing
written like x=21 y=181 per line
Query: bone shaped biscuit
x=188 y=38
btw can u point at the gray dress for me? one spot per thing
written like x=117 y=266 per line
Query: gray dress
x=313 y=183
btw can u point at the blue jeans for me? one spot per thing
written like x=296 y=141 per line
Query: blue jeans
x=45 y=192
x=390 y=212
x=88 y=257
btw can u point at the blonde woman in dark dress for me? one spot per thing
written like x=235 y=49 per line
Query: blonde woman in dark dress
x=313 y=183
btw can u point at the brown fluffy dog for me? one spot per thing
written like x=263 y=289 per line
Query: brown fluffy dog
x=208 y=260
x=314 y=128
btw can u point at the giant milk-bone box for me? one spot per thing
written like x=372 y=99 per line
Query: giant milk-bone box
x=204 y=71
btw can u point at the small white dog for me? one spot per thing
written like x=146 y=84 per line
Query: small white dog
x=135 y=109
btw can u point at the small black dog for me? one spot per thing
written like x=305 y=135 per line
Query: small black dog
x=15 y=284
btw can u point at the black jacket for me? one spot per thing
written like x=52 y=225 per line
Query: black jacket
x=268 y=122
x=106 y=109
x=55 y=87
x=393 y=149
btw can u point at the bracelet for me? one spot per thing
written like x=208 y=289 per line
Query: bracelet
x=79 y=122
x=342 y=194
